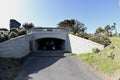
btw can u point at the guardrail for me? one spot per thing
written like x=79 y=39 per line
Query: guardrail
x=34 y=30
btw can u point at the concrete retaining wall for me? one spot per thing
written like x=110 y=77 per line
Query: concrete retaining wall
x=20 y=46
x=80 y=45
x=16 y=47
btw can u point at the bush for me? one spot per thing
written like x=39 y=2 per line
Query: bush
x=12 y=34
x=22 y=32
x=3 y=37
x=95 y=50
x=100 y=39
x=15 y=30
x=82 y=35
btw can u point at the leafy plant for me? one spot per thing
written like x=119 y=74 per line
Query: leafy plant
x=95 y=50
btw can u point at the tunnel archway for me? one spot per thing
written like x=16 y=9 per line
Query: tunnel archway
x=50 y=44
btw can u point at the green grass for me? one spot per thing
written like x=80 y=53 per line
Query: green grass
x=115 y=41
x=103 y=60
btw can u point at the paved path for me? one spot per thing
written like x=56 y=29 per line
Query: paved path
x=55 y=68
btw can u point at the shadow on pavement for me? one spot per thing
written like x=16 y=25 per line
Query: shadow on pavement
x=38 y=61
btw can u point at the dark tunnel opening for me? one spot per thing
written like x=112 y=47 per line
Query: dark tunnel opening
x=50 y=44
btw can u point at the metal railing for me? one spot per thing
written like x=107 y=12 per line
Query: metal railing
x=39 y=29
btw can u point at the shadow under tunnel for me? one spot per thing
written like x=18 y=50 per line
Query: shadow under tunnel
x=50 y=44
x=35 y=63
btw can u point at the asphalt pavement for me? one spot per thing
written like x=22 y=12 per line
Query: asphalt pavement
x=38 y=67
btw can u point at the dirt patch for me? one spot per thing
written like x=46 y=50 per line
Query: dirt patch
x=9 y=68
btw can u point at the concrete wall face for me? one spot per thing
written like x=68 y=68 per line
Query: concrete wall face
x=80 y=45
x=23 y=45
x=17 y=47
x=59 y=35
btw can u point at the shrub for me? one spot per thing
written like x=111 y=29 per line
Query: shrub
x=15 y=30
x=100 y=39
x=3 y=37
x=12 y=34
x=95 y=50
x=22 y=32
x=82 y=35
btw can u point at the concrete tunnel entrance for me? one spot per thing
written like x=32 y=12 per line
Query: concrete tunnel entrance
x=50 y=44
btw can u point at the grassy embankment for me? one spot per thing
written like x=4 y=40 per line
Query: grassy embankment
x=107 y=60
x=9 y=68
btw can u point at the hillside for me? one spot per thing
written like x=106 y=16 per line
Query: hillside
x=106 y=63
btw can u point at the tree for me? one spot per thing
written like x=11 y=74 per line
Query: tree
x=107 y=30
x=28 y=26
x=99 y=30
x=113 y=27
x=72 y=25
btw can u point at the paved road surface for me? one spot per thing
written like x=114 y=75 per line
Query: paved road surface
x=54 y=68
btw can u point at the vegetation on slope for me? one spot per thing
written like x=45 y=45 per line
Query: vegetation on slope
x=8 y=34
x=115 y=41
x=9 y=68
x=107 y=60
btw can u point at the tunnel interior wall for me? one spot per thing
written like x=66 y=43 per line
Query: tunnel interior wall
x=50 y=44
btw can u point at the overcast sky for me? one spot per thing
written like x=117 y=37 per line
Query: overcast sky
x=93 y=13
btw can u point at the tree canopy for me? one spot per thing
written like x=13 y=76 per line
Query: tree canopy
x=72 y=25
x=99 y=30
x=28 y=26
x=107 y=30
